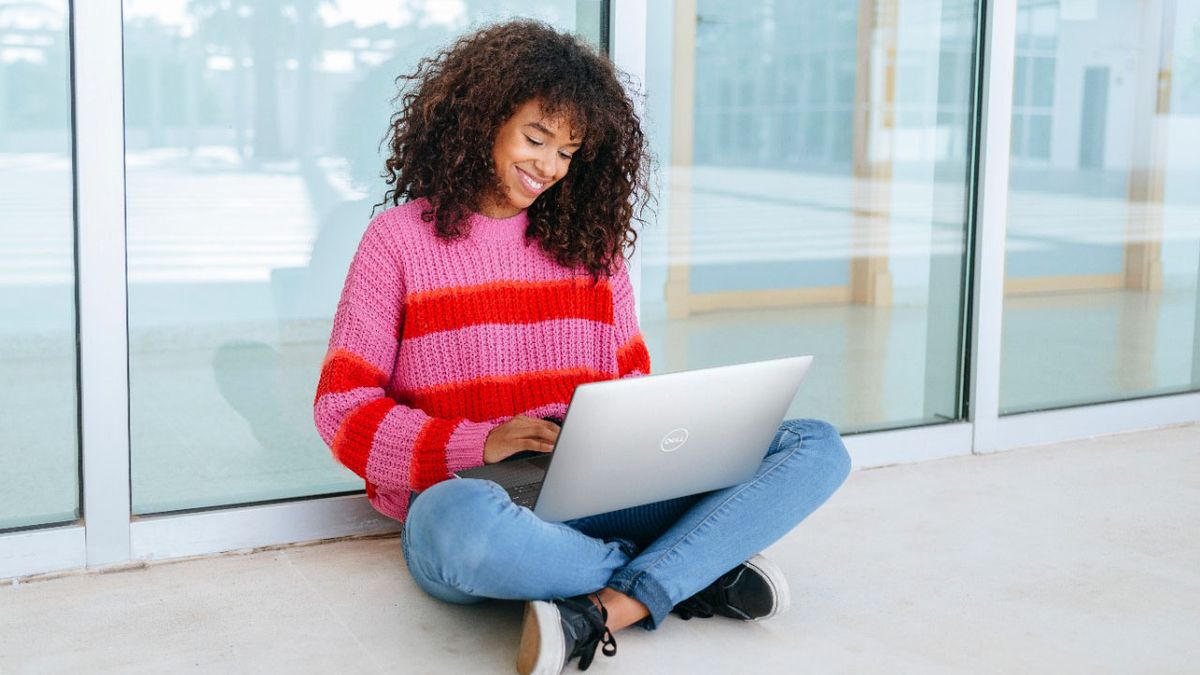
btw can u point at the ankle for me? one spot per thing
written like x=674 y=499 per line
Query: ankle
x=595 y=598
x=619 y=610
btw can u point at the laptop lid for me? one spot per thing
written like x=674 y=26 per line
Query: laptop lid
x=638 y=440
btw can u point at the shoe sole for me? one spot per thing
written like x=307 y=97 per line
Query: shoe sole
x=542 y=651
x=779 y=585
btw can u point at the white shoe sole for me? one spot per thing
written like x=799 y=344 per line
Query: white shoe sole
x=774 y=576
x=542 y=650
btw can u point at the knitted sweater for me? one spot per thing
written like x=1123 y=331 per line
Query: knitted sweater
x=435 y=344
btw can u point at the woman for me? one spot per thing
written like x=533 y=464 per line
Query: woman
x=471 y=311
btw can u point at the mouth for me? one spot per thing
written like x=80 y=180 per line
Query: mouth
x=533 y=187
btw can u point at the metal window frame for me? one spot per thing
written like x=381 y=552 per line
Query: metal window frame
x=111 y=536
x=991 y=221
x=101 y=255
x=101 y=309
x=627 y=47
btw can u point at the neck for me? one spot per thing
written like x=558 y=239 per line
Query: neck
x=498 y=208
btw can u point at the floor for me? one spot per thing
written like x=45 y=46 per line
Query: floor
x=1076 y=557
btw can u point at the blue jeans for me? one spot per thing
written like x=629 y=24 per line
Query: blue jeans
x=464 y=540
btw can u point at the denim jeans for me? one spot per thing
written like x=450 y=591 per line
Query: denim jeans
x=464 y=540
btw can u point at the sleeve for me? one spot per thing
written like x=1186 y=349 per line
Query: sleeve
x=633 y=359
x=386 y=443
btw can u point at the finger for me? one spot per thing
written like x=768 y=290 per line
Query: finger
x=536 y=446
x=547 y=431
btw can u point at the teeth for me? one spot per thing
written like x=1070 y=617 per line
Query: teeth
x=531 y=182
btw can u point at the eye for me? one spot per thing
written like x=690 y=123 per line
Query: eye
x=533 y=141
x=565 y=155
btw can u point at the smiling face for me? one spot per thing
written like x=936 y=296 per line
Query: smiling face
x=531 y=153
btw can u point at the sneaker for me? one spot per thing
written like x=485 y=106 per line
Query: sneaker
x=756 y=590
x=556 y=632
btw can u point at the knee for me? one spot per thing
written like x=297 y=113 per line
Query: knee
x=822 y=439
x=448 y=521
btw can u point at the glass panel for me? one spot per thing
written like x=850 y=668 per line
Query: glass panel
x=1043 y=81
x=1104 y=234
x=838 y=233
x=1020 y=70
x=1039 y=136
x=253 y=162
x=39 y=456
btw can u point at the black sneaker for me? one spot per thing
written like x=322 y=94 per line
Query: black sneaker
x=756 y=590
x=556 y=632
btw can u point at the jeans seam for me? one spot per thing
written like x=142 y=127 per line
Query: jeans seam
x=649 y=592
x=720 y=506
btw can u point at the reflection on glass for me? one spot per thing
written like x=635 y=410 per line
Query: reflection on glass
x=253 y=162
x=814 y=197
x=39 y=460
x=1103 y=248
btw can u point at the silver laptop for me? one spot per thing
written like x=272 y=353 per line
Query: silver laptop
x=637 y=440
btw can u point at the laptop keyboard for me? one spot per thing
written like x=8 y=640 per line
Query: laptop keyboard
x=525 y=495
x=520 y=478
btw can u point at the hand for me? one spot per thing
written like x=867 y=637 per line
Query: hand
x=519 y=433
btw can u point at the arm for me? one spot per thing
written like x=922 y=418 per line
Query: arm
x=386 y=443
x=633 y=359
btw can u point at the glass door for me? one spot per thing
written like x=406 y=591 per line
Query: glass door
x=39 y=441
x=252 y=159
x=816 y=162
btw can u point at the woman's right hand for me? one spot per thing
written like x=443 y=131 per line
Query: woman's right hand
x=519 y=433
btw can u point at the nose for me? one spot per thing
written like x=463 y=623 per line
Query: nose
x=544 y=165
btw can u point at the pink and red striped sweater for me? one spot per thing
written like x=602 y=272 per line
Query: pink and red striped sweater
x=435 y=344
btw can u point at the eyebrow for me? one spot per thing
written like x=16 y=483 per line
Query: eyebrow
x=544 y=130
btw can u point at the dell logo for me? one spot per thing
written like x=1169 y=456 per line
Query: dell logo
x=673 y=440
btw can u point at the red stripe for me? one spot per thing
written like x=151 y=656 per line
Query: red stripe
x=344 y=370
x=632 y=356
x=429 y=453
x=507 y=302
x=352 y=442
x=485 y=398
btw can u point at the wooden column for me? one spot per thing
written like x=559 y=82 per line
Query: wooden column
x=874 y=122
x=1147 y=171
x=683 y=97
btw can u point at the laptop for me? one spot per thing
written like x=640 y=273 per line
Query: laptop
x=636 y=440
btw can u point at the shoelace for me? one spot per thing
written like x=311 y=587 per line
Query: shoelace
x=600 y=635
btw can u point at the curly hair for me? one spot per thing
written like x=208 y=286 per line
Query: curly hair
x=454 y=104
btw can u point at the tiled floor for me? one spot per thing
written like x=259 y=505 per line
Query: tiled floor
x=1079 y=557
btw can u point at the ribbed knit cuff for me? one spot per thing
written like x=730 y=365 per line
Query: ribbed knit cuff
x=464 y=449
